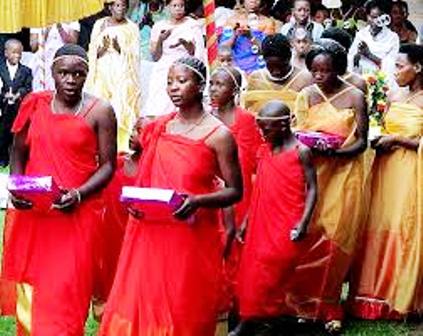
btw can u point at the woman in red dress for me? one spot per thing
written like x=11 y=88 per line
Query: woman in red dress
x=285 y=194
x=70 y=136
x=168 y=276
x=225 y=86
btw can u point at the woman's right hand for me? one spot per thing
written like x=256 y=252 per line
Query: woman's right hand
x=385 y=143
x=102 y=49
x=20 y=203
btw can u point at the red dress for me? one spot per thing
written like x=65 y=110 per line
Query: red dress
x=112 y=231
x=7 y=288
x=168 y=276
x=269 y=256
x=50 y=250
x=248 y=140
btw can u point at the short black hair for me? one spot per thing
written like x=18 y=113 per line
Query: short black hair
x=334 y=50
x=339 y=35
x=276 y=45
x=401 y=4
x=384 y=7
x=318 y=7
x=71 y=50
x=195 y=63
x=414 y=52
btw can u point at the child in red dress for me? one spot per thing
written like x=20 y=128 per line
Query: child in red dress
x=281 y=207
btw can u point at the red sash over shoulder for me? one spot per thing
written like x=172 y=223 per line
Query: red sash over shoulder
x=168 y=277
x=248 y=139
x=50 y=250
x=269 y=256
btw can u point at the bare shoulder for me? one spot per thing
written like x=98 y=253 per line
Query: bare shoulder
x=303 y=80
x=357 y=96
x=102 y=111
x=358 y=82
x=222 y=136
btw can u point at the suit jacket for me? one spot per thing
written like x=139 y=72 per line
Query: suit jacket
x=22 y=82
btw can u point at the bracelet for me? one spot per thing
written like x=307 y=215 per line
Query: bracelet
x=78 y=195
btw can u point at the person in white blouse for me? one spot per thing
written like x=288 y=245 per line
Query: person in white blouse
x=44 y=43
x=375 y=47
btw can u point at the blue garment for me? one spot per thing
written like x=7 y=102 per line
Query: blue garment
x=246 y=55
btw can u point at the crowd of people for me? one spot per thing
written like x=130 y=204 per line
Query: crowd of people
x=297 y=158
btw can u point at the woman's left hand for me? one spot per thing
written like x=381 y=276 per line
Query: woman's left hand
x=188 y=45
x=116 y=45
x=68 y=200
x=385 y=143
x=187 y=209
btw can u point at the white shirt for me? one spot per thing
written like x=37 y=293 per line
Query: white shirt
x=12 y=70
x=313 y=28
x=384 y=45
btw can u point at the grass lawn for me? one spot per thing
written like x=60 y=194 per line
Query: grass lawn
x=352 y=328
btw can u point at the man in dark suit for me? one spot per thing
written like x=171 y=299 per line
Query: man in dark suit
x=15 y=84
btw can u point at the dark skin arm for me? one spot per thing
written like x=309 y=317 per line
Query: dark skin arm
x=105 y=125
x=363 y=50
x=223 y=143
x=157 y=47
x=71 y=37
x=389 y=143
x=229 y=220
x=300 y=230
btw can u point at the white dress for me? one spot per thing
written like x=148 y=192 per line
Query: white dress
x=158 y=102
x=43 y=57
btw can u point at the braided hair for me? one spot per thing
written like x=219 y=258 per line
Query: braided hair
x=276 y=45
x=334 y=50
x=339 y=35
x=195 y=65
x=414 y=53
x=71 y=50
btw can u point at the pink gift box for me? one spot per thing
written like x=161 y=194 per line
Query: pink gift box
x=154 y=203
x=42 y=191
x=320 y=140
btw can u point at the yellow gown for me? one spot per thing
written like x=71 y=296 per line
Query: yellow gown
x=261 y=89
x=387 y=278
x=316 y=284
x=16 y=14
x=115 y=76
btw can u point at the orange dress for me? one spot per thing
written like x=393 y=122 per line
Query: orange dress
x=50 y=253
x=269 y=257
x=168 y=276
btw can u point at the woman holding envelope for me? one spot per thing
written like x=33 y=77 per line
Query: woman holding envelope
x=168 y=277
x=69 y=136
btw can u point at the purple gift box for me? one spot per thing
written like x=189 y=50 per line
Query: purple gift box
x=155 y=203
x=320 y=140
x=42 y=191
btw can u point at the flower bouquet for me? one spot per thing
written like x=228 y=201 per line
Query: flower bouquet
x=377 y=101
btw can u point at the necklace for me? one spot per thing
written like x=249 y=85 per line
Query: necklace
x=194 y=125
x=280 y=79
x=75 y=111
